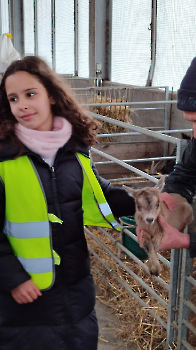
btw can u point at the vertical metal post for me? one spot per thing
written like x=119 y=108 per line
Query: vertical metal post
x=184 y=295
x=92 y=38
x=76 y=36
x=0 y=19
x=10 y=16
x=173 y=297
x=165 y=148
x=108 y=40
x=35 y=29
x=53 y=34
x=153 y=42
x=187 y=264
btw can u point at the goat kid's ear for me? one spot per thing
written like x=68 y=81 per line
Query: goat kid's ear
x=161 y=183
x=131 y=191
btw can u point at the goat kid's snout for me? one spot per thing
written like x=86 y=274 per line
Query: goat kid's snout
x=149 y=221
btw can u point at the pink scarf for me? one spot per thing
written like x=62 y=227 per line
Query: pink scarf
x=45 y=143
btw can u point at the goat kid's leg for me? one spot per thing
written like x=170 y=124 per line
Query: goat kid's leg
x=156 y=240
x=154 y=264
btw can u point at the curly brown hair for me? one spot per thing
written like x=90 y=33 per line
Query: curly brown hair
x=84 y=127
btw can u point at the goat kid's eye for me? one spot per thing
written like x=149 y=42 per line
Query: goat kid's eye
x=158 y=205
x=139 y=208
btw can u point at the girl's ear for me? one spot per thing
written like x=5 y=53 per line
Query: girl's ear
x=52 y=100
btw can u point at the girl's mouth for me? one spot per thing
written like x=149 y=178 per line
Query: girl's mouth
x=27 y=116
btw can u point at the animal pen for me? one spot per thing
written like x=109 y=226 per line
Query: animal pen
x=168 y=299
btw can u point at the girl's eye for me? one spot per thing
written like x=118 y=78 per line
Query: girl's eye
x=12 y=99
x=30 y=94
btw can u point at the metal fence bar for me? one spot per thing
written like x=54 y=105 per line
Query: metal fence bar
x=138 y=133
x=129 y=290
x=139 y=129
x=131 y=168
x=130 y=272
x=190 y=305
x=108 y=104
x=191 y=280
x=130 y=178
x=108 y=88
x=187 y=345
x=138 y=160
x=190 y=326
x=132 y=256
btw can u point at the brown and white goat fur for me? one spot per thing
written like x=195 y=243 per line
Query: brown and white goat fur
x=148 y=208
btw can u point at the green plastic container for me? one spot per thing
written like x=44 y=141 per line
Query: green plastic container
x=129 y=243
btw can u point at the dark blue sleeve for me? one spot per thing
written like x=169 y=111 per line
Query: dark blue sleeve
x=120 y=202
x=183 y=179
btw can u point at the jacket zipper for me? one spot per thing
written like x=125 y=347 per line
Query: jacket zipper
x=55 y=192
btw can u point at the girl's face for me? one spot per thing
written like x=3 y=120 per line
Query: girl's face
x=29 y=101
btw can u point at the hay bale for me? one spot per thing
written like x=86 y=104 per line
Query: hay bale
x=121 y=113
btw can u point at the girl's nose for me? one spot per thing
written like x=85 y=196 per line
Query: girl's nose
x=23 y=104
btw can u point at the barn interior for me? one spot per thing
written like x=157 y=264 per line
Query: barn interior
x=124 y=61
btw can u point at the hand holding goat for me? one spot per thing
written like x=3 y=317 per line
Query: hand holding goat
x=148 y=208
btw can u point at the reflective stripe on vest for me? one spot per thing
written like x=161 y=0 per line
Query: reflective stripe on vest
x=27 y=220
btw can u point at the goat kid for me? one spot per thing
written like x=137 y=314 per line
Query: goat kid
x=148 y=208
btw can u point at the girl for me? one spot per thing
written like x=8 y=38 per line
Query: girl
x=48 y=190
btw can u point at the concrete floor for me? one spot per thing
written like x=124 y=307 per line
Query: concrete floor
x=107 y=333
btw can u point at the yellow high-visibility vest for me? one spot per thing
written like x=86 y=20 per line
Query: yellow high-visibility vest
x=27 y=219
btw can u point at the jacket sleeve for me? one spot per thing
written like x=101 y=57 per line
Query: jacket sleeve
x=12 y=272
x=183 y=179
x=120 y=202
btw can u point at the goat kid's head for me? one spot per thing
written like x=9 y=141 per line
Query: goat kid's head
x=147 y=203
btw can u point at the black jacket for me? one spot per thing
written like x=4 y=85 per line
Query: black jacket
x=63 y=317
x=183 y=181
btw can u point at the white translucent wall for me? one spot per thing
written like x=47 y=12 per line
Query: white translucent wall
x=4 y=20
x=44 y=30
x=64 y=36
x=83 y=38
x=176 y=44
x=131 y=40
x=28 y=23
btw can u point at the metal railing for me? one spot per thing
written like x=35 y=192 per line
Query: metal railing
x=179 y=304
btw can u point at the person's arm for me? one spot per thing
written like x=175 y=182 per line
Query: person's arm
x=183 y=179
x=120 y=202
